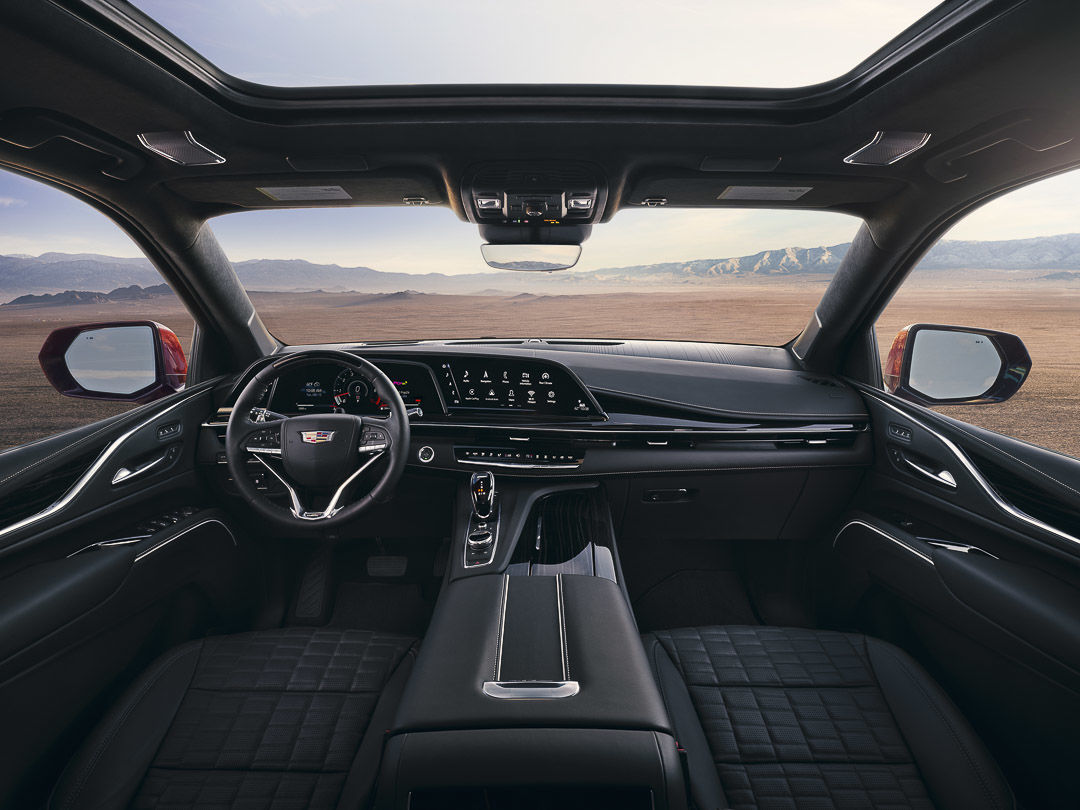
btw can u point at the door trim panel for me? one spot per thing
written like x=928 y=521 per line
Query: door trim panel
x=974 y=473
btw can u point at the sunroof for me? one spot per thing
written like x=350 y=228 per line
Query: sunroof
x=759 y=43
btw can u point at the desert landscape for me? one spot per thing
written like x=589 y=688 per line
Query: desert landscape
x=771 y=311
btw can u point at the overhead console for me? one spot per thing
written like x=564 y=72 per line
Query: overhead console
x=534 y=193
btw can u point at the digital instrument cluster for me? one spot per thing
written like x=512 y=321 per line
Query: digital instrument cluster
x=468 y=384
x=322 y=387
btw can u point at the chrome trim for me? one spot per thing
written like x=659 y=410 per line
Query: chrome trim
x=178 y=535
x=562 y=628
x=502 y=626
x=944 y=477
x=116 y=541
x=962 y=548
x=93 y=470
x=530 y=690
x=332 y=508
x=924 y=557
x=124 y=474
x=496 y=511
x=516 y=466
x=266 y=451
x=973 y=471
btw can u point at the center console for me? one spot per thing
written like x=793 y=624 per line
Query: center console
x=532 y=688
x=526 y=683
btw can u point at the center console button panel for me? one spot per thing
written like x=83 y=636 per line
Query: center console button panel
x=521 y=457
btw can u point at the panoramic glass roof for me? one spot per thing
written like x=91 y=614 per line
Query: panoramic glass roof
x=767 y=43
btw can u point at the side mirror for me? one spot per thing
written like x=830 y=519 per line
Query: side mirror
x=931 y=364
x=129 y=361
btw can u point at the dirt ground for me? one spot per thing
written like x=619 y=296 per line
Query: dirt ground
x=1046 y=411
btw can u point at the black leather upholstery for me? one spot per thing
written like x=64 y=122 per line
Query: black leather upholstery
x=276 y=719
x=795 y=718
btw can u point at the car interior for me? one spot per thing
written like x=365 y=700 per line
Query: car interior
x=546 y=571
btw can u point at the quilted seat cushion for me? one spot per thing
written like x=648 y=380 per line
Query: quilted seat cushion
x=271 y=719
x=797 y=718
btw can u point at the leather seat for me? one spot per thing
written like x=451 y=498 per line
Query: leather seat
x=776 y=717
x=280 y=719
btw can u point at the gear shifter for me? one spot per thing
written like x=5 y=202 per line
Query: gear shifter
x=482 y=487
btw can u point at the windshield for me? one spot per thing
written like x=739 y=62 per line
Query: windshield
x=376 y=274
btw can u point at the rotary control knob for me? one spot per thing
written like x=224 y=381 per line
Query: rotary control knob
x=479 y=539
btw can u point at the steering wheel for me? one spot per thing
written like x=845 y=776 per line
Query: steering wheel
x=317 y=456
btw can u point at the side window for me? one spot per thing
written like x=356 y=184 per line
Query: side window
x=1014 y=266
x=63 y=263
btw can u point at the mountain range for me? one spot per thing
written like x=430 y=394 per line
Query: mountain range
x=86 y=273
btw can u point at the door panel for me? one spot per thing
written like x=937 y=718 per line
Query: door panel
x=971 y=542
x=99 y=572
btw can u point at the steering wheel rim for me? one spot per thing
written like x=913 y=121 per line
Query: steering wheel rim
x=339 y=510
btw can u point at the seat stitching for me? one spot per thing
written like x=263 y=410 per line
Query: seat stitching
x=916 y=681
x=104 y=744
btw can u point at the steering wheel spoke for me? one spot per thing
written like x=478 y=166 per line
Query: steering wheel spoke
x=317 y=457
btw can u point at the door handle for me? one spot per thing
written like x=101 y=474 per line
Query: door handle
x=125 y=474
x=942 y=476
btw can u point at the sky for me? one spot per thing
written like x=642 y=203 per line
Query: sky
x=764 y=43
x=662 y=41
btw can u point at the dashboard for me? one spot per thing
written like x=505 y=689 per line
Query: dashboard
x=441 y=386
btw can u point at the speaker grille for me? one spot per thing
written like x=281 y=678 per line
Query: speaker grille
x=886 y=148
x=180 y=147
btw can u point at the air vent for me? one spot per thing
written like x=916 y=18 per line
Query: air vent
x=180 y=147
x=886 y=148
x=822 y=381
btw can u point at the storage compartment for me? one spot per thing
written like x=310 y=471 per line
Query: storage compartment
x=533 y=769
x=567 y=532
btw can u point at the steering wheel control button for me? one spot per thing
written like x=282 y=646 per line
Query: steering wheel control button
x=266 y=441
x=426 y=454
x=374 y=439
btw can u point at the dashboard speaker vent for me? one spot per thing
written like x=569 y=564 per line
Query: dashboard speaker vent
x=886 y=148
x=180 y=147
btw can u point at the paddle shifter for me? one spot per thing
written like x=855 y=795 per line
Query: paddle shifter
x=483 y=522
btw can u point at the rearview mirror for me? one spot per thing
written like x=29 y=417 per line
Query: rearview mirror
x=533 y=257
x=951 y=365
x=129 y=361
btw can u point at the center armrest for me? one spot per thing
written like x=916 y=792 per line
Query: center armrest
x=517 y=651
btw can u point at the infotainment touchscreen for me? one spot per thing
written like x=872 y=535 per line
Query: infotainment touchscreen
x=511 y=385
